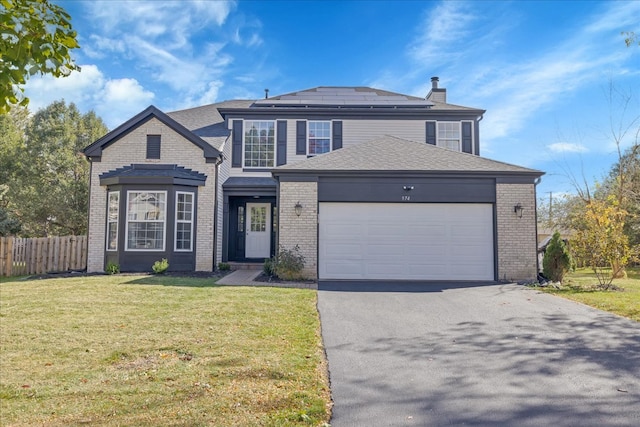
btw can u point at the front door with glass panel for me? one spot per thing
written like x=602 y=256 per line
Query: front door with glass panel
x=258 y=231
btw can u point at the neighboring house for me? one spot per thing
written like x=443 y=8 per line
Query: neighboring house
x=369 y=184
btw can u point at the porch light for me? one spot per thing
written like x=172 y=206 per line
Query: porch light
x=517 y=209
x=298 y=208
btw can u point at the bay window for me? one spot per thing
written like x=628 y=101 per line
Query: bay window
x=184 y=221
x=112 y=220
x=146 y=220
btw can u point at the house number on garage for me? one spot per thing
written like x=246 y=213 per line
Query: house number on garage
x=406 y=198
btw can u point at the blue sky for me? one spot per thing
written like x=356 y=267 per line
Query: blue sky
x=542 y=70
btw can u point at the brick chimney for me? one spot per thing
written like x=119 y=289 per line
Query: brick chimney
x=437 y=94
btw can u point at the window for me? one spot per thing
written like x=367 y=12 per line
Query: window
x=319 y=138
x=449 y=135
x=153 y=146
x=146 y=213
x=241 y=219
x=184 y=221
x=112 y=220
x=259 y=144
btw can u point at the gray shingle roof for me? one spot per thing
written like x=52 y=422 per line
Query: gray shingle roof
x=206 y=121
x=249 y=181
x=389 y=154
x=154 y=170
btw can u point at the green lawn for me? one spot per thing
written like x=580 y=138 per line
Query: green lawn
x=146 y=350
x=579 y=286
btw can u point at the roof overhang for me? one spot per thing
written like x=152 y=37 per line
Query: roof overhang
x=94 y=151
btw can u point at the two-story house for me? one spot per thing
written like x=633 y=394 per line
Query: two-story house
x=369 y=184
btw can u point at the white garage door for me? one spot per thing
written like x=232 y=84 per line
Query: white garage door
x=406 y=241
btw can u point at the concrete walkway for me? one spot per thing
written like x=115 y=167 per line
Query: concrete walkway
x=247 y=278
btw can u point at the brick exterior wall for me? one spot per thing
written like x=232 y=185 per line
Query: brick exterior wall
x=516 y=236
x=300 y=230
x=130 y=149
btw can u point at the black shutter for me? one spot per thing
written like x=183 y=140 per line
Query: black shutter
x=282 y=143
x=337 y=135
x=236 y=144
x=431 y=133
x=301 y=137
x=466 y=137
x=153 y=146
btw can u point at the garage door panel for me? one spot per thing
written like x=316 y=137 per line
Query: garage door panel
x=406 y=241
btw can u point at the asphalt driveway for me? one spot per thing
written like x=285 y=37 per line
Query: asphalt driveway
x=493 y=355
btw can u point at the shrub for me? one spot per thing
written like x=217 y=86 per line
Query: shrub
x=289 y=263
x=557 y=259
x=224 y=266
x=112 y=268
x=159 y=267
x=269 y=267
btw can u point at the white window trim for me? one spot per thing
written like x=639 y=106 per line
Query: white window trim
x=275 y=144
x=164 y=231
x=330 y=136
x=459 y=124
x=175 y=231
x=109 y=193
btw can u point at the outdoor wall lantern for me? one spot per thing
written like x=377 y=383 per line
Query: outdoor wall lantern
x=298 y=208
x=518 y=210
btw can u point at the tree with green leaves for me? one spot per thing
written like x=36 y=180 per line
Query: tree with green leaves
x=600 y=240
x=9 y=224
x=557 y=259
x=49 y=183
x=36 y=37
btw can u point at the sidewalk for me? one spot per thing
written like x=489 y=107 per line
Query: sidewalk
x=246 y=278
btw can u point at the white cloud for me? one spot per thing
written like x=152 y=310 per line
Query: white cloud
x=78 y=87
x=567 y=147
x=114 y=100
x=120 y=100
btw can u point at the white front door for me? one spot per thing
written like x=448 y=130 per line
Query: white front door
x=258 y=238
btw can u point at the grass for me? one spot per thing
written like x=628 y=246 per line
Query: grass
x=146 y=350
x=580 y=286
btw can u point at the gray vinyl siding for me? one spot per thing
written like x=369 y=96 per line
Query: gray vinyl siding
x=357 y=131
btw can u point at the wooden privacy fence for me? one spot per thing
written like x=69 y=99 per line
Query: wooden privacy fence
x=20 y=256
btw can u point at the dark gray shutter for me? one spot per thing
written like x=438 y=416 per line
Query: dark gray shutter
x=282 y=143
x=431 y=133
x=236 y=144
x=337 y=135
x=153 y=146
x=466 y=137
x=301 y=137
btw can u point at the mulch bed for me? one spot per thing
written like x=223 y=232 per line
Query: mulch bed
x=195 y=274
x=262 y=277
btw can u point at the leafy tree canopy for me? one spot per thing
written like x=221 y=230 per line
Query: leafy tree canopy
x=35 y=38
x=46 y=172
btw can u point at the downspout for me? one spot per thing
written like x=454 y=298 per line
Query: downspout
x=215 y=212
x=535 y=201
x=478 y=135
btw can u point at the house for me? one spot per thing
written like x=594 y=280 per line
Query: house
x=369 y=184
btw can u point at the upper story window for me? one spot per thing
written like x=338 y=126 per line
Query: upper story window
x=319 y=138
x=449 y=135
x=153 y=146
x=259 y=144
x=146 y=216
